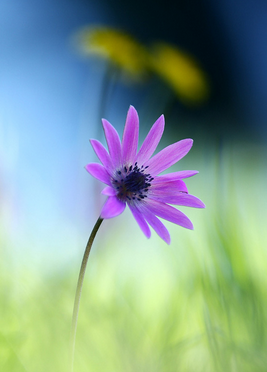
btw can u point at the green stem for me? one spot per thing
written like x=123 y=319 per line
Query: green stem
x=108 y=85
x=79 y=289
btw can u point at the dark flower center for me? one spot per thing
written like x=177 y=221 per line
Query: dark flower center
x=132 y=182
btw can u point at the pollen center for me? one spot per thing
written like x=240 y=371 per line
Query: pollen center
x=132 y=183
x=135 y=181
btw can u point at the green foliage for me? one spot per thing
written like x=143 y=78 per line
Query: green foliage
x=199 y=305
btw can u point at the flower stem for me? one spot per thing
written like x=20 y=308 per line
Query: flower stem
x=79 y=289
x=108 y=85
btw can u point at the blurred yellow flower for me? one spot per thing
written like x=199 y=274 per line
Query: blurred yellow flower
x=117 y=46
x=181 y=72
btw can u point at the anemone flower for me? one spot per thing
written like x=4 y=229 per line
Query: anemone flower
x=132 y=177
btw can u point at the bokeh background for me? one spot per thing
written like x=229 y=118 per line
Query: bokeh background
x=196 y=305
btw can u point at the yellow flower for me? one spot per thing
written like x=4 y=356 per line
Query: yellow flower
x=117 y=46
x=181 y=72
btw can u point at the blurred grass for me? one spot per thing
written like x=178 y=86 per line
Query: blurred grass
x=198 y=305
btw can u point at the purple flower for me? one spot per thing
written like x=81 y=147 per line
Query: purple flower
x=132 y=177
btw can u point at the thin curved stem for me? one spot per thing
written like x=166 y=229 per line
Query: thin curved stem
x=79 y=290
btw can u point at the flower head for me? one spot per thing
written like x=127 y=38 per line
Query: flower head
x=181 y=72
x=132 y=177
x=116 y=46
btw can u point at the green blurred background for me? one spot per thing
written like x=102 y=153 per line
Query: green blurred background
x=196 y=305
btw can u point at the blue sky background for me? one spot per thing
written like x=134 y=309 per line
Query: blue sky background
x=42 y=93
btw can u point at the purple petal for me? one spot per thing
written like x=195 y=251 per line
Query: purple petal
x=168 y=188
x=140 y=220
x=151 y=141
x=169 y=213
x=175 y=176
x=99 y=172
x=169 y=156
x=102 y=154
x=156 y=224
x=114 y=143
x=130 y=136
x=109 y=191
x=180 y=199
x=113 y=207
